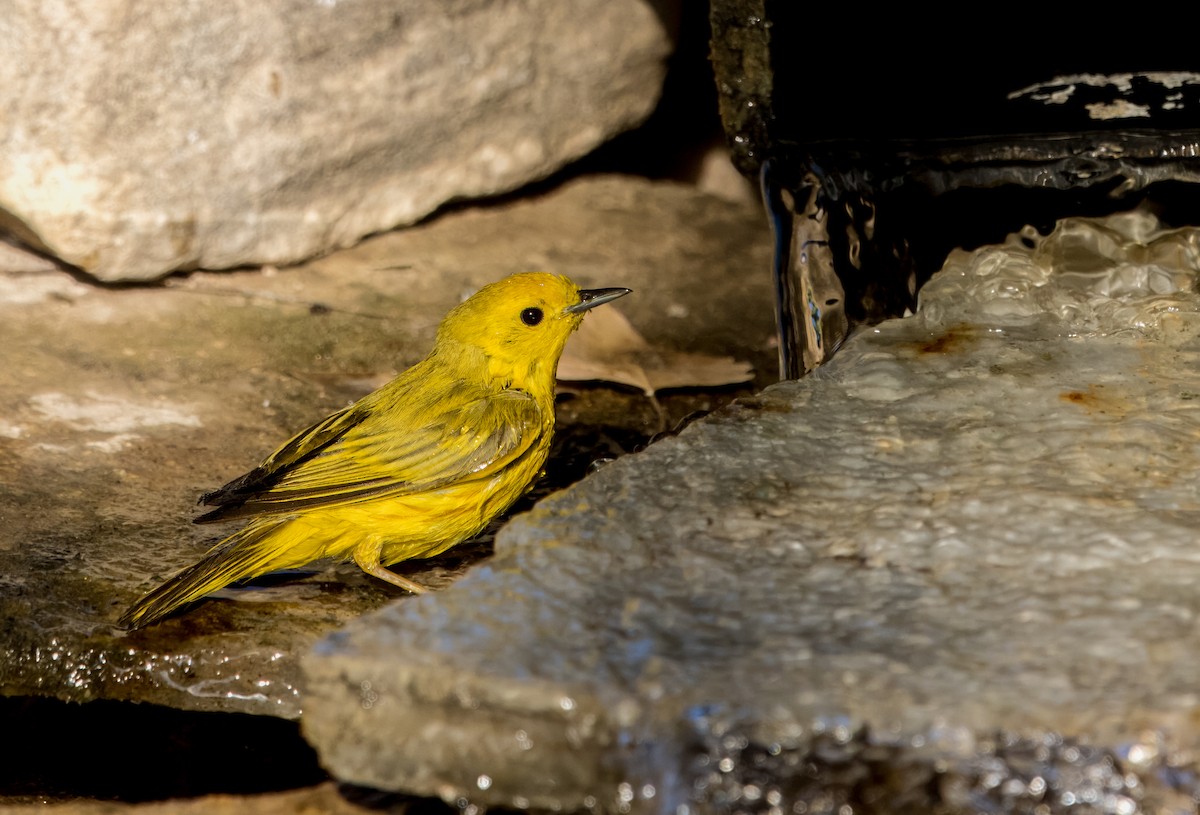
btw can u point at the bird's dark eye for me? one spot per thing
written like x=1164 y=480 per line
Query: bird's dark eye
x=531 y=316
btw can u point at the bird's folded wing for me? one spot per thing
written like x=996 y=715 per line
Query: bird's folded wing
x=363 y=453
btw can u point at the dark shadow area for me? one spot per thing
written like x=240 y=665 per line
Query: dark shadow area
x=129 y=752
x=917 y=139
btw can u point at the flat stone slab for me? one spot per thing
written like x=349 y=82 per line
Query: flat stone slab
x=954 y=568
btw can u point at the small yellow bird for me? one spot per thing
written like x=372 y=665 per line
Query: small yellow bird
x=422 y=464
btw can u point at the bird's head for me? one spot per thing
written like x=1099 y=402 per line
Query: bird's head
x=521 y=323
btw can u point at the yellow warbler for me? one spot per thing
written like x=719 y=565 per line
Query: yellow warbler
x=423 y=463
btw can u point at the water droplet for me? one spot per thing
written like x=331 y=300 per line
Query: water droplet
x=1124 y=806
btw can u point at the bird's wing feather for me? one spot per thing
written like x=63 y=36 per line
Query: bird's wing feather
x=361 y=453
x=307 y=442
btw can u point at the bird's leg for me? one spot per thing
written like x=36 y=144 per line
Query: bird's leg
x=366 y=555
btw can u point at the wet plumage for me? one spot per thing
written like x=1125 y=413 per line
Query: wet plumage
x=423 y=463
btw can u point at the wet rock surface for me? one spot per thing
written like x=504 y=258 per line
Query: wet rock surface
x=952 y=570
x=121 y=406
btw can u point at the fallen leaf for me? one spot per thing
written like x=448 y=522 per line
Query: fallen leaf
x=607 y=348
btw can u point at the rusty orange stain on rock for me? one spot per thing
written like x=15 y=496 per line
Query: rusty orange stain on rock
x=953 y=339
x=1096 y=400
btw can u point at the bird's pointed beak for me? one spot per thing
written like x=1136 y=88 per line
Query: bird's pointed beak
x=590 y=298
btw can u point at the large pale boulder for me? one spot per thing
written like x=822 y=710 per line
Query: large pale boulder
x=145 y=137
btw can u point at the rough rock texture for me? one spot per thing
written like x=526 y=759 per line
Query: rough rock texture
x=954 y=570
x=146 y=137
x=119 y=407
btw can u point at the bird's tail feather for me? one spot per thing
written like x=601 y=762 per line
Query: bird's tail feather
x=250 y=552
